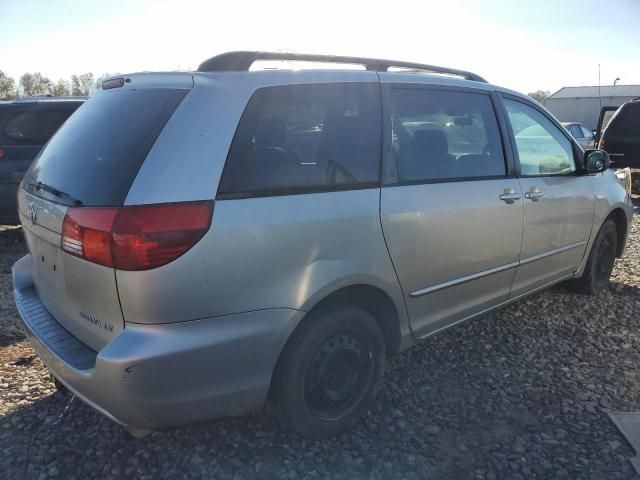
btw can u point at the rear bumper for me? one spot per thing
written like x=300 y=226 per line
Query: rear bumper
x=159 y=376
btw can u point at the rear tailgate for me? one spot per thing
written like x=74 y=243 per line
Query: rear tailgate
x=87 y=167
x=82 y=296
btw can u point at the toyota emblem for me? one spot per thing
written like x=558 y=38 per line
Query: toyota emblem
x=33 y=212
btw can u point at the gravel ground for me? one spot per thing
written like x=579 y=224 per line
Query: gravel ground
x=518 y=393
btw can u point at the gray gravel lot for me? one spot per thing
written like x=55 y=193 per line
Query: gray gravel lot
x=518 y=393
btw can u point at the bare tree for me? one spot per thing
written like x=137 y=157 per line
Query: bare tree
x=82 y=85
x=61 y=88
x=540 y=95
x=8 y=89
x=35 y=84
x=28 y=84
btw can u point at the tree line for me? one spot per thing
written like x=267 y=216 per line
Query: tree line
x=540 y=95
x=30 y=84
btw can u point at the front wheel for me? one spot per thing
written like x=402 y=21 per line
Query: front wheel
x=601 y=260
x=329 y=371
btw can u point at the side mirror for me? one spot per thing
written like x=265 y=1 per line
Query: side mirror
x=596 y=161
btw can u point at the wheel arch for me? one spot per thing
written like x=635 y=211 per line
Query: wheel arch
x=390 y=316
x=374 y=301
x=619 y=217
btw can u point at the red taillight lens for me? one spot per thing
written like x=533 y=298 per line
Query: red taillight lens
x=86 y=233
x=1 y=153
x=148 y=236
x=135 y=237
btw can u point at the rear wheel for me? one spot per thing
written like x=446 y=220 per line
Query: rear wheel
x=329 y=371
x=601 y=260
x=60 y=387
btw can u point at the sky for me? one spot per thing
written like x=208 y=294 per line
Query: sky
x=525 y=45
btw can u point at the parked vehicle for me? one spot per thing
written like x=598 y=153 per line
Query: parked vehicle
x=25 y=126
x=621 y=138
x=583 y=135
x=202 y=243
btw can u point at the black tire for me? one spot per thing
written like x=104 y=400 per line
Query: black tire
x=601 y=260
x=329 y=371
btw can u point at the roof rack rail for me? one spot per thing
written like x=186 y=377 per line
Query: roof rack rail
x=242 y=61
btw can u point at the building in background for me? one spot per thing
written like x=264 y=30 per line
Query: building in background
x=582 y=104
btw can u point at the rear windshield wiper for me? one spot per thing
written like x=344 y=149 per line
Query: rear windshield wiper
x=54 y=191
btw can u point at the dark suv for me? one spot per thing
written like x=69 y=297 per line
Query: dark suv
x=25 y=126
x=621 y=138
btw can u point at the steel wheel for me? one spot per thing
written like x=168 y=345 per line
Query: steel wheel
x=338 y=376
x=329 y=371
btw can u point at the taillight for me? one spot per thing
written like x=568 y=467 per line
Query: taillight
x=148 y=236
x=137 y=237
x=86 y=233
x=2 y=153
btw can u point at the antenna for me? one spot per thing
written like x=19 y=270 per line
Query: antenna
x=599 y=96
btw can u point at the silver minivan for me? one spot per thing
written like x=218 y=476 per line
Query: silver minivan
x=203 y=243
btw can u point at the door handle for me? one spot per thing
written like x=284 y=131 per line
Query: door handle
x=509 y=196
x=534 y=194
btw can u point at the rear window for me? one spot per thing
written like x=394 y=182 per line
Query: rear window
x=35 y=126
x=586 y=132
x=575 y=131
x=300 y=138
x=93 y=159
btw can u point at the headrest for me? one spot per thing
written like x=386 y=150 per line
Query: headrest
x=271 y=132
x=430 y=139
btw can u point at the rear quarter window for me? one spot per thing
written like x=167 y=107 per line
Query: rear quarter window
x=300 y=138
x=97 y=153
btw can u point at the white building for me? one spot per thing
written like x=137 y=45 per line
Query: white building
x=582 y=104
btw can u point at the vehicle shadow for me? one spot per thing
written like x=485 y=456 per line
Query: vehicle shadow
x=522 y=391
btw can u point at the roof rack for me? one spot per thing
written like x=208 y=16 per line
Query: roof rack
x=242 y=61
